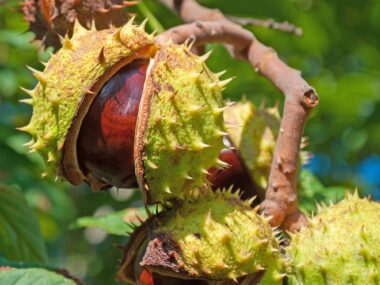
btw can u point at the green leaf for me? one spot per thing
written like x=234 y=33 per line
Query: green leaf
x=32 y=276
x=153 y=22
x=20 y=264
x=117 y=223
x=20 y=236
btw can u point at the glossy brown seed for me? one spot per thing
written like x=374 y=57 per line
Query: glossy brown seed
x=106 y=140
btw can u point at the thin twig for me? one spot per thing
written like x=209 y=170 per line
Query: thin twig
x=191 y=11
x=268 y=23
x=300 y=98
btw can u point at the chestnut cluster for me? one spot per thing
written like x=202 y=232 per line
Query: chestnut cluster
x=114 y=108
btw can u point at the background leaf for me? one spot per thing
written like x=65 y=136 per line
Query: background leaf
x=20 y=237
x=117 y=223
x=32 y=276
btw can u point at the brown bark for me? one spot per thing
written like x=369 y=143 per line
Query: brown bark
x=211 y=26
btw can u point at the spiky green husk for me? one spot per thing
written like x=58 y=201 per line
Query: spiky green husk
x=180 y=126
x=341 y=245
x=217 y=236
x=253 y=131
x=68 y=84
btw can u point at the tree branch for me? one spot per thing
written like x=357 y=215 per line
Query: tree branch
x=300 y=98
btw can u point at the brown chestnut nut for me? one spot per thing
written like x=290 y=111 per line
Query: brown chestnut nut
x=106 y=139
x=235 y=175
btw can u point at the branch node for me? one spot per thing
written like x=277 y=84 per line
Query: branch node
x=310 y=98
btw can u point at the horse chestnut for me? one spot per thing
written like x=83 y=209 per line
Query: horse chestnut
x=217 y=236
x=100 y=115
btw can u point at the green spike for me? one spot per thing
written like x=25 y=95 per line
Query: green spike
x=127 y=27
x=188 y=177
x=151 y=164
x=29 y=143
x=167 y=190
x=78 y=28
x=28 y=128
x=220 y=110
x=222 y=164
x=28 y=101
x=199 y=145
x=204 y=57
x=31 y=93
x=51 y=157
x=244 y=257
x=153 y=34
x=221 y=265
x=38 y=145
x=251 y=200
x=116 y=35
x=223 y=83
x=221 y=73
x=220 y=133
x=188 y=44
x=38 y=75
x=259 y=268
x=92 y=25
x=143 y=24
x=66 y=42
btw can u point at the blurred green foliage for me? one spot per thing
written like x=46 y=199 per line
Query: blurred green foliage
x=339 y=55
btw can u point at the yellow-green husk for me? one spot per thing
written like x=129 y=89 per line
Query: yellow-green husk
x=221 y=237
x=341 y=245
x=180 y=126
x=67 y=86
x=253 y=131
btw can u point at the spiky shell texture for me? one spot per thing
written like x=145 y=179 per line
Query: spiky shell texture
x=341 y=245
x=253 y=131
x=69 y=83
x=217 y=236
x=180 y=125
x=49 y=19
